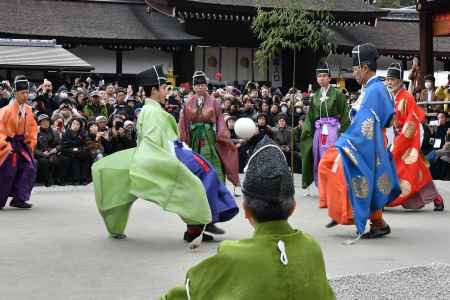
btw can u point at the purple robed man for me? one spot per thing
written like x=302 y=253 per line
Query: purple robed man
x=18 y=138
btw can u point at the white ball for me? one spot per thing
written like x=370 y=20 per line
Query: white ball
x=245 y=128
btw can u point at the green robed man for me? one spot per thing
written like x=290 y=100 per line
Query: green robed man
x=278 y=262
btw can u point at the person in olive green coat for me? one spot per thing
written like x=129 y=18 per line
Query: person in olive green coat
x=278 y=262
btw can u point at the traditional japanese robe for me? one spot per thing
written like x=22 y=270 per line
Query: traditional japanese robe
x=360 y=169
x=152 y=172
x=278 y=262
x=412 y=169
x=331 y=112
x=203 y=129
x=18 y=139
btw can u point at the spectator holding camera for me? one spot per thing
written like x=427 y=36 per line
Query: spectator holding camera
x=110 y=94
x=130 y=132
x=131 y=107
x=67 y=111
x=121 y=139
x=74 y=149
x=47 y=153
x=120 y=104
x=58 y=125
x=46 y=95
x=96 y=141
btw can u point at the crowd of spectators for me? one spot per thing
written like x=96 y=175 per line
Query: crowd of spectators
x=83 y=121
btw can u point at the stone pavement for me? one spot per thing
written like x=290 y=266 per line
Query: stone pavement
x=59 y=250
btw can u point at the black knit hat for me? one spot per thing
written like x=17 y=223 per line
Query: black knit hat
x=395 y=71
x=267 y=175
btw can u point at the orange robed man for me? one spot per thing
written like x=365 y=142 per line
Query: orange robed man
x=412 y=169
x=18 y=138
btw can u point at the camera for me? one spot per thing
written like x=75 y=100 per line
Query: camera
x=118 y=125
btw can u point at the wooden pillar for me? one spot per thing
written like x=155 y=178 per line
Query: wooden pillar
x=220 y=60
x=426 y=44
x=236 y=76
x=253 y=64
x=119 y=59
x=204 y=59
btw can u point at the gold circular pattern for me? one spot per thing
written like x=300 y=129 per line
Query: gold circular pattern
x=402 y=106
x=410 y=156
x=384 y=184
x=367 y=128
x=409 y=129
x=360 y=186
x=405 y=187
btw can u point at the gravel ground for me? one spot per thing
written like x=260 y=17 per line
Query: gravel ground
x=430 y=282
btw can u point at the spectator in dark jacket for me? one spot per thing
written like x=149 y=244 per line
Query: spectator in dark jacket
x=4 y=94
x=120 y=104
x=262 y=122
x=50 y=100
x=96 y=142
x=440 y=169
x=74 y=148
x=120 y=138
x=282 y=136
x=47 y=153
x=274 y=111
x=248 y=111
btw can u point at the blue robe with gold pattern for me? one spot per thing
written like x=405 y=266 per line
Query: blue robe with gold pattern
x=368 y=166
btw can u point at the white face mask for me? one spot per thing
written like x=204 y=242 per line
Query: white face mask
x=298 y=110
x=428 y=85
x=284 y=109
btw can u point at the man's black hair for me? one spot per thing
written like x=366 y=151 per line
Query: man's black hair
x=446 y=114
x=372 y=66
x=148 y=89
x=266 y=211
